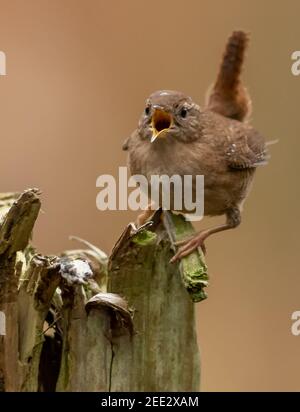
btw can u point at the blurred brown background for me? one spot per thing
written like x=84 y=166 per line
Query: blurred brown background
x=78 y=73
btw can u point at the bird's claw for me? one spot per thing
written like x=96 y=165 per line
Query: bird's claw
x=189 y=246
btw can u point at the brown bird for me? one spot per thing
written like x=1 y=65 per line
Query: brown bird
x=176 y=137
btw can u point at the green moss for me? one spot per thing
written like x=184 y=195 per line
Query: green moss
x=144 y=238
x=193 y=268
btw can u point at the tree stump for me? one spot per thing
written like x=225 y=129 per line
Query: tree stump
x=83 y=322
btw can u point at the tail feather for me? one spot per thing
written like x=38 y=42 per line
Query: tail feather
x=228 y=96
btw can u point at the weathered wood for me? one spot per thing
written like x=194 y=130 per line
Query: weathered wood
x=17 y=220
x=193 y=268
x=66 y=331
x=34 y=299
x=86 y=350
x=87 y=323
x=162 y=355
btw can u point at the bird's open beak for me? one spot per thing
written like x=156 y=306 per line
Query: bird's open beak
x=161 y=122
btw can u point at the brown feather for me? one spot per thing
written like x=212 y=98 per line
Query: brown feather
x=228 y=96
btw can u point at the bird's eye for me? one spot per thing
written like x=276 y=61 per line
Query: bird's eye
x=183 y=112
x=147 y=110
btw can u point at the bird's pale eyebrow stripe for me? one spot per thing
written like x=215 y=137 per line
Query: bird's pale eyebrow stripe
x=164 y=93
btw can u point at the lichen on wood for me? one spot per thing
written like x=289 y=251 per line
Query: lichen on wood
x=193 y=268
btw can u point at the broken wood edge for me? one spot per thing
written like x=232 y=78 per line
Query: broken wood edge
x=122 y=315
x=17 y=218
x=18 y=222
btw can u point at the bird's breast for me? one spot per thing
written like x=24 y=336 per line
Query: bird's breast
x=223 y=188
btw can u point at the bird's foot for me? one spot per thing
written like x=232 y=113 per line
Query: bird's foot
x=189 y=245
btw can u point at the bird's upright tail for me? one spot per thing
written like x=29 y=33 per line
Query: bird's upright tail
x=228 y=96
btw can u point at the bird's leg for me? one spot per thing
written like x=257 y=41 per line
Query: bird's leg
x=190 y=238
x=145 y=215
x=233 y=220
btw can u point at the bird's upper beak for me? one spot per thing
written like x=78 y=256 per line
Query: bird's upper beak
x=161 y=122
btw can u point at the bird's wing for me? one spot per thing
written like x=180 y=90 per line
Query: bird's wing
x=246 y=149
x=125 y=145
x=130 y=140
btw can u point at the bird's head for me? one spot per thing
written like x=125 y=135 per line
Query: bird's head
x=169 y=114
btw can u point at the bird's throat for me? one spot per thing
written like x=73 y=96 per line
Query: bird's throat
x=161 y=122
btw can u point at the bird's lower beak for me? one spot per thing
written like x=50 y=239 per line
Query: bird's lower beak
x=161 y=122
